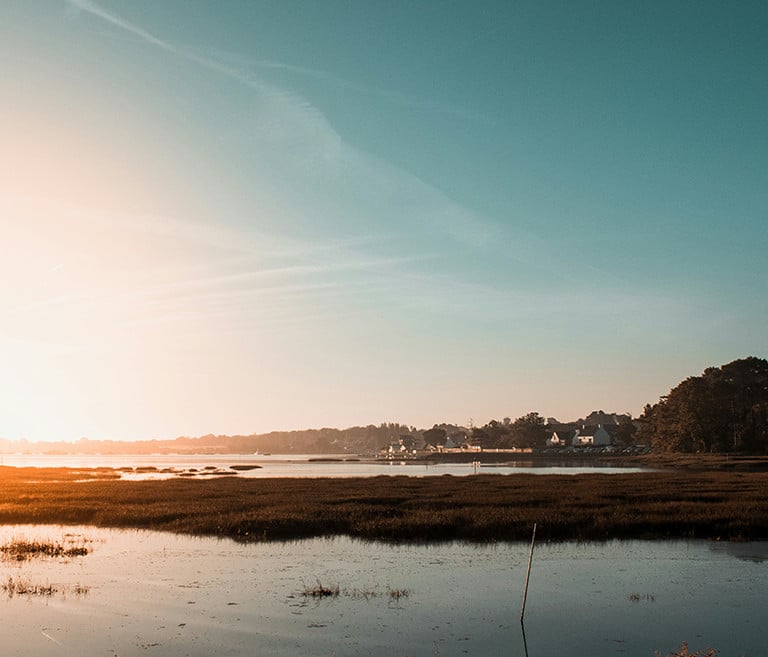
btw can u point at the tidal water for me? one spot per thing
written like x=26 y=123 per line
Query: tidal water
x=147 y=593
x=283 y=465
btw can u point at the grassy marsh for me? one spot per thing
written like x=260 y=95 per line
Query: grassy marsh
x=22 y=549
x=21 y=586
x=668 y=504
x=319 y=590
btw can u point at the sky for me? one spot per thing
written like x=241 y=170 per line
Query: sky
x=243 y=216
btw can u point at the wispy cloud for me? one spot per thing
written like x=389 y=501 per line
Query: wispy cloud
x=237 y=67
x=386 y=194
x=95 y=9
x=168 y=270
x=326 y=77
x=301 y=136
x=217 y=66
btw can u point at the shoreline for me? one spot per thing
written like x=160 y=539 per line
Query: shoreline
x=684 y=502
x=697 y=462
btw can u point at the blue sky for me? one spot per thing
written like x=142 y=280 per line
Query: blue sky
x=237 y=217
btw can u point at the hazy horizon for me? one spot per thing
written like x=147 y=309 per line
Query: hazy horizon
x=297 y=430
x=235 y=218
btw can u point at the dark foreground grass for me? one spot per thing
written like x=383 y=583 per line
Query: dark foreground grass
x=670 y=504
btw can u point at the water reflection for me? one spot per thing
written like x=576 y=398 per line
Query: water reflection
x=163 y=594
x=756 y=552
x=525 y=642
x=160 y=466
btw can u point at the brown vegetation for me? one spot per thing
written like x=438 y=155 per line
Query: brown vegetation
x=685 y=652
x=21 y=586
x=320 y=591
x=697 y=462
x=668 y=504
x=21 y=549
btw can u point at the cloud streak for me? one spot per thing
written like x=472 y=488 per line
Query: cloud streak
x=93 y=8
x=238 y=74
x=319 y=75
x=305 y=145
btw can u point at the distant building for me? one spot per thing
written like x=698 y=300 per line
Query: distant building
x=592 y=436
x=404 y=447
x=562 y=438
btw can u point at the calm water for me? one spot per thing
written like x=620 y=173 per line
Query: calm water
x=157 y=594
x=286 y=465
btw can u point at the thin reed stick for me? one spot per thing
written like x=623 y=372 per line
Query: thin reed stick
x=528 y=574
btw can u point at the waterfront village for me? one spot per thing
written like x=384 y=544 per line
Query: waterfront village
x=599 y=432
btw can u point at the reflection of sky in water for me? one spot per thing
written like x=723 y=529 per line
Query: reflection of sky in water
x=167 y=595
x=287 y=465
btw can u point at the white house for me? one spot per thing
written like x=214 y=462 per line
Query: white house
x=592 y=436
x=561 y=438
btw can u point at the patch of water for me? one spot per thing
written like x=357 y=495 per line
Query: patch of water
x=268 y=466
x=152 y=593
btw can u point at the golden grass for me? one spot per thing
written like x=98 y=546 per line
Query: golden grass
x=669 y=504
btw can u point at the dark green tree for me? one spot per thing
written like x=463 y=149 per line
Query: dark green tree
x=625 y=431
x=528 y=431
x=492 y=435
x=435 y=436
x=723 y=410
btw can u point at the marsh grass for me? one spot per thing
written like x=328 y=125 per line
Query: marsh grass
x=685 y=652
x=486 y=507
x=320 y=591
x=22 y=549
x=639 y=597
x=396 y=594
x=21 y=586
x=367 y=594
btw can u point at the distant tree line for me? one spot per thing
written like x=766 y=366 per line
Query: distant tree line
x=723 y=410
x=358 y=439
x=353 y=440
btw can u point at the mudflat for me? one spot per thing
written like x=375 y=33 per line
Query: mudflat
x=676 y=503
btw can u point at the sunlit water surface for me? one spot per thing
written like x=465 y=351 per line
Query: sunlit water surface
x=295 y=465
x=158 y=594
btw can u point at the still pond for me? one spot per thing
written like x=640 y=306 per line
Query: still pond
x=147 y=593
